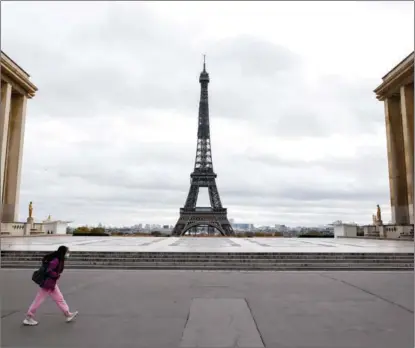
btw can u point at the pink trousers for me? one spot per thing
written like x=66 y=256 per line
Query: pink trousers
x=41 y=296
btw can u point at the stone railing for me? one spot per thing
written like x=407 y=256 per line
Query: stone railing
x=38 y=227
x=398 y=232
x=371 y=231
x=12 y=228
x=389 y=231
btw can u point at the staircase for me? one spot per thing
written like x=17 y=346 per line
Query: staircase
x=218 y=261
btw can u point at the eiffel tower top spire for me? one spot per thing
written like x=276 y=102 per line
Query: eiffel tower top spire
x=204 y=76
x=203 y=162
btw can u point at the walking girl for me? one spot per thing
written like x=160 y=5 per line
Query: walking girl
x=53 y=263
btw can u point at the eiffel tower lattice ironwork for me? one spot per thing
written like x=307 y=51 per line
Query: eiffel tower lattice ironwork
x=215 y=216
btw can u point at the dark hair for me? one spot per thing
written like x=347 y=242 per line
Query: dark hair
x=58 y=254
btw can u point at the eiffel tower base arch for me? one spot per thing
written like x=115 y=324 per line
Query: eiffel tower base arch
x=203 y=217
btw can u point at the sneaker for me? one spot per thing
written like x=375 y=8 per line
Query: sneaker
x=30 y=321
x=71 y=316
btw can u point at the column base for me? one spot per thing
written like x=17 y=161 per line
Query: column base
x=8 y=213
x=411 y=214
x=400 y=215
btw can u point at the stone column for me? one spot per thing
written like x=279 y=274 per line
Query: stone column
x=407 y=110
x=6 y=93
x=396 y=161
x=14 y=157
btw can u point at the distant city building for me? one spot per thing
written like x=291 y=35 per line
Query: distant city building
x=242 y=226
x=281 y=228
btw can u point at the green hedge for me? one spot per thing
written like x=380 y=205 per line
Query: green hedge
x=315 y=236
x=86 y=234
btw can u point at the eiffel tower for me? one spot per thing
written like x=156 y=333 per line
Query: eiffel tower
x=215 y=216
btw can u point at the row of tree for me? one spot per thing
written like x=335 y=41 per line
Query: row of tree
x=100 y=231
x=88 y=231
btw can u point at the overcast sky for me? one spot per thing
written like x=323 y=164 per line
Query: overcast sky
x=298 y=137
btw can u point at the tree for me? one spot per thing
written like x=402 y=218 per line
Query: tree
x=82 y=229
x=97 y=230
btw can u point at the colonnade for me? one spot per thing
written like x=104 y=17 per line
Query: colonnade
x=16 y=89
x=397 y=93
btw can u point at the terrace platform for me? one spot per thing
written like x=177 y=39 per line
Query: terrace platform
x=206 y=245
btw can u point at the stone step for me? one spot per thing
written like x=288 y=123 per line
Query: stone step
x=214 y=263
x=283 y=267
x=210 y=252
x=279 y=256
x=206 y=257
x=214 y=255
x=217 y=260
x=209 y=260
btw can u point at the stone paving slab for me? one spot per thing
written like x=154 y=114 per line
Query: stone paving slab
x=217 y=245
x=150 y=309
x=220 y=322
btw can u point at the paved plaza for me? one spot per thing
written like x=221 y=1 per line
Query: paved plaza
x=168 y=309
x=188 y=244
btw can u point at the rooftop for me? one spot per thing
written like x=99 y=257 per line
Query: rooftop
x=14 y=74
x=402 y=74
x=17 y=66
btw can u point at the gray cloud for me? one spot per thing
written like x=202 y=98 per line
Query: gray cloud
x=111 y=134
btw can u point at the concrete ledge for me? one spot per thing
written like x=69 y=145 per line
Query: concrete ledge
x=379 y=238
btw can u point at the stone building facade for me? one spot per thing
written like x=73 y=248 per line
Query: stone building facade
x=397 y=94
